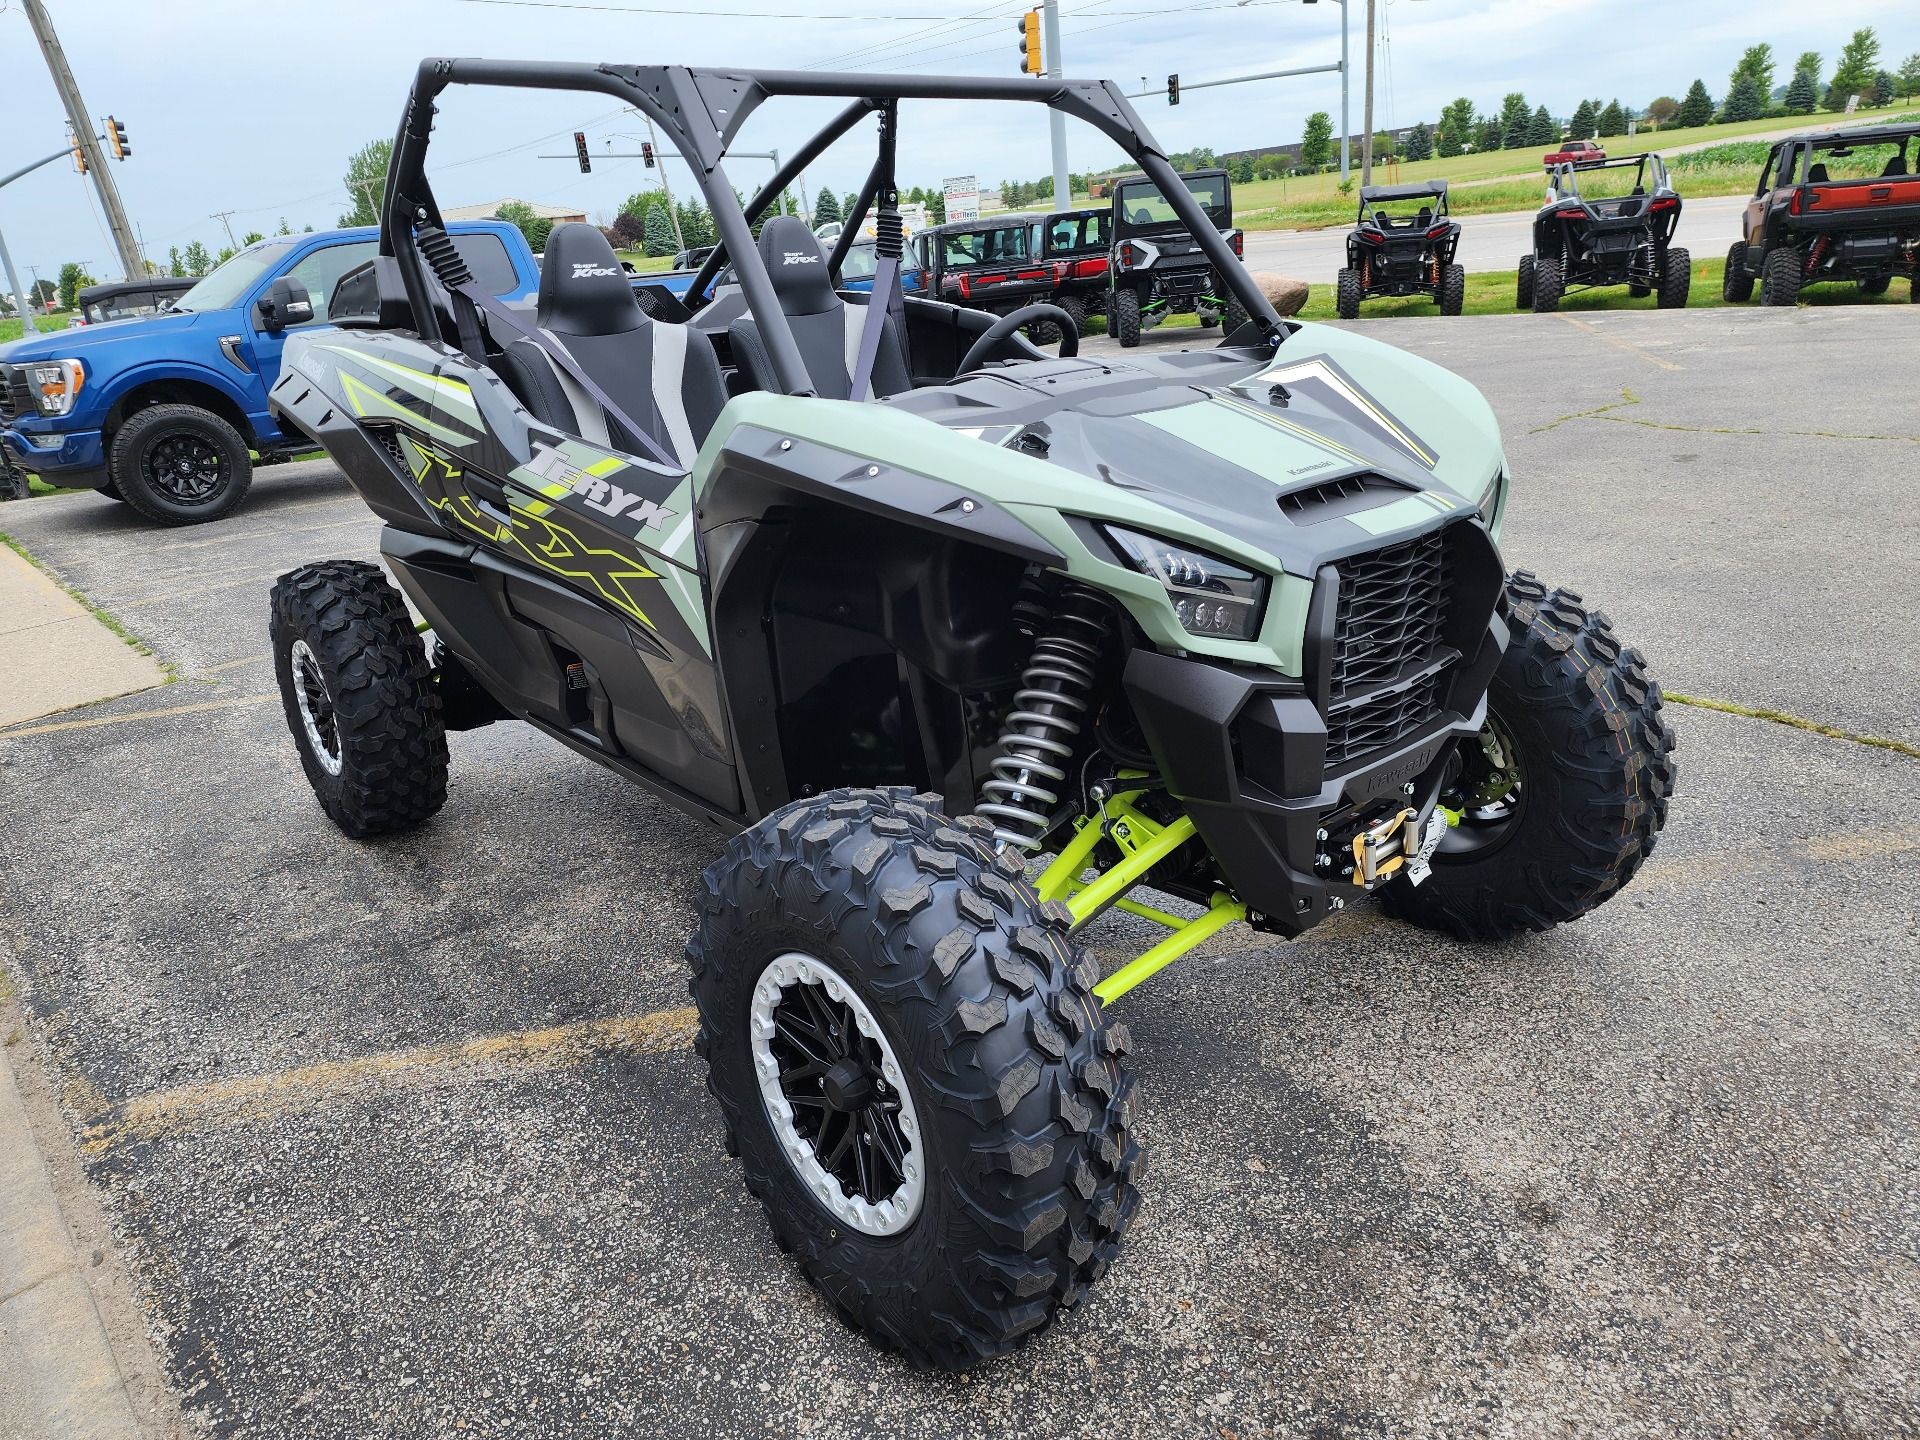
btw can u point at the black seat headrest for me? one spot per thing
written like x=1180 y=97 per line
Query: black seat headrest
x=798 y=266
x=1816 y=174
x=583 y=290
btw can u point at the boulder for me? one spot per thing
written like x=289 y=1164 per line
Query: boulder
x=1283 y=292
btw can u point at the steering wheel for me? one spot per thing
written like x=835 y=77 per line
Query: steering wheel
x=1003 y=327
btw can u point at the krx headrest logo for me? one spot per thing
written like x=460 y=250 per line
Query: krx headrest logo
x=799 y=257
x=582 y=271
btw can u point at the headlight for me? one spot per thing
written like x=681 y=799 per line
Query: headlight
x=1210 y=596
x=54 y=384
x=1490 y=501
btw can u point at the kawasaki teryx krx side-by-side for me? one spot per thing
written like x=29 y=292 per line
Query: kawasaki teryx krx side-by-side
x=1402 y=244
x=1163 y=260
x=902 y=605
x=1602 y=226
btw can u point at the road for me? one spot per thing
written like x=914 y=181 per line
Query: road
x=406 y=1139
x=1487 y=242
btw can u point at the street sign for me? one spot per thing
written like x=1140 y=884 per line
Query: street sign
x=962 y=194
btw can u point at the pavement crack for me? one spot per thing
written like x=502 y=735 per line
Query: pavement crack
x=1794 y=722
x=1628 y=399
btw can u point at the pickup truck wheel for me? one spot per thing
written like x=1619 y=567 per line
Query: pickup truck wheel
x=1523 y=284
x=1346 y=294
x=180 y=465
x=112 y=491
x=1549 y=284
x=1676 y=279
x=1126 y=318
x=1876 y=286
x=1453 y=289
x=359 y=696
x=1562 y=796
x=1737 y=284
x=911 y=1065
x=1781 y=276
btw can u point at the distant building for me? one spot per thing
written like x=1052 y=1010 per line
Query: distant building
x=558 y=214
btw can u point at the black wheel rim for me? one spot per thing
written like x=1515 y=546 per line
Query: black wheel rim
x=1487 y=789
x=185 y=467
x=843 y=1105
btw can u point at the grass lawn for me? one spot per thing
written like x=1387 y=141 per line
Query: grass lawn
x=646 y=264
x=47 y=324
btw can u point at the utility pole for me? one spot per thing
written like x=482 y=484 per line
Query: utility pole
x=22 y=299
x=1062 y=179
x=673 y=213
x=1346 y=115
x=223 y=217
x=83 y=134
x=1366 y=123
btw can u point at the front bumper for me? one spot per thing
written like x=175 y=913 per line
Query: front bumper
x=74 y=459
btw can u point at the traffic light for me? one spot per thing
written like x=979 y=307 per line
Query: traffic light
x=580 y=149
x=1030 y=58
x=1173 y=89
x=79 y=155
x=117 y=139
x=646 y=152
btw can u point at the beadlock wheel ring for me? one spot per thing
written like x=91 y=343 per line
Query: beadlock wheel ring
x=317 y=714
x=779 y=984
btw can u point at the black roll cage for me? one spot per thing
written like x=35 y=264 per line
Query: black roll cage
x=701 y=110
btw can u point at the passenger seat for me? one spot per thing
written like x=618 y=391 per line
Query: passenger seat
x=665 y=377
x=825 y=328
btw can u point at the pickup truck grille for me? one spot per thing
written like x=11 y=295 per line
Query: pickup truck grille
x=1388 y=664
x=15 y=400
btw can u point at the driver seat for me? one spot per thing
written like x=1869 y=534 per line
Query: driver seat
x=825 y=328
x=666 y=377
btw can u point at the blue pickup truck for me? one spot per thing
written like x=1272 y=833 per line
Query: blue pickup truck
x=169 y=412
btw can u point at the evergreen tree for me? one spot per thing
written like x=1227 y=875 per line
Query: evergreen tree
x=1858 y=60
x=826 y=209
x=1883 y=88
x=1743 y=102
x=1487 y=134
x=847 y=202
x=657 y=231
x=1756 y=64
x=1514 y=121
x=284 y=228
x=1419 y=142
x=1802 y=95
x=1456 y=128
x=1613 y=120
x=1697 y=107
x=1540 y=128
x=1585 y=121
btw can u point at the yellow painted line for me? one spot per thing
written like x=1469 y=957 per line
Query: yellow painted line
x=256 y=1097
x=1617 y=342
x=103 y=720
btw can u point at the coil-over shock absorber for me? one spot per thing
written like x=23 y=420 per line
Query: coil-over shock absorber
x=1049 y=710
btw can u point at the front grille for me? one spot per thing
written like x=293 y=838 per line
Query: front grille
x=15 y=399
x=1389 y=654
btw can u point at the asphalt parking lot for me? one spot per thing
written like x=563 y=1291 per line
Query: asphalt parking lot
x=405 y=1139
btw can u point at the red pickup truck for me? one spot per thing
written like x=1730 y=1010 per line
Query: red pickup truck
x=1575 y=152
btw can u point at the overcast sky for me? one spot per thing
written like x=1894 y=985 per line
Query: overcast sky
x=254 y=105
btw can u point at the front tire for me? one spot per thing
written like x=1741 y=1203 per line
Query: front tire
x=1676 y=279
x=1876 y=286
x=1549 y=284
x=359 y=697
x=1453 y=289
x=1126 y=318
x=1523 y=284
x=1736 y=286
x=1346 y=294
x=180 y=465
x=1781 y=276
x=1564 y=794
x=960 y=979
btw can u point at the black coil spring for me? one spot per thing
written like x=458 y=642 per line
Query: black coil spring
x=1048 y=714
x=889 y=233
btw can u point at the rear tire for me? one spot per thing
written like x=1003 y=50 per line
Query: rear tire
x=1346 y=294
x=1596 y=765
x=1523 y=286
x=1008 y=1090
x=1453 y=289
x=1235 y=317
x=1781 y=276
x=180 y=465
x=359 y=697
x=1877 y=286
x=1676 y=279
x=1126 y=318
x=1549 y=284
x=1736 y=286
x=1077 y=308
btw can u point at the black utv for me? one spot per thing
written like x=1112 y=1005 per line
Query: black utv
x=1582 y=241
x=1159 y=268
x=991 y=265
x=1403 y=244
